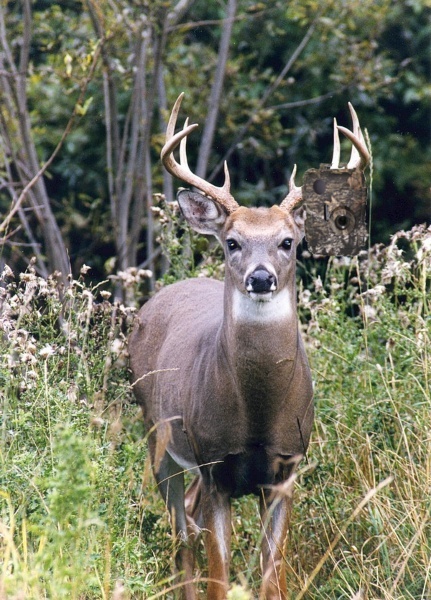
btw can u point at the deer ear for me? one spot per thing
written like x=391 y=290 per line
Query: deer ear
x=202 y=213
x=299 y=216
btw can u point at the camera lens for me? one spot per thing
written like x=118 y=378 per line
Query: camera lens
x=341 y=222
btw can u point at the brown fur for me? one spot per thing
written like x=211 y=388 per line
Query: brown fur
x=233 y=390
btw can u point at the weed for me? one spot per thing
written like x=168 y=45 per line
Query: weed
x=72 y=448
x=79 y=513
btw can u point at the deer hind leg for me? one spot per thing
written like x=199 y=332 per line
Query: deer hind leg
x=170 y=480
x=275 y=515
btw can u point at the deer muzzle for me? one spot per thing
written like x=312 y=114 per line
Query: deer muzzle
x=261 y=283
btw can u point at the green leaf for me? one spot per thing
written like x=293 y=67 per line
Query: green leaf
x=82 y=109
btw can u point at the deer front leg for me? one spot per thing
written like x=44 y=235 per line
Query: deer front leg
x=170 y=480
x=275 y=515
x=216 y=516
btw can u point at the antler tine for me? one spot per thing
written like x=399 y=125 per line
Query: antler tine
x=336 y=153
x=183 y=148
x=181 y=170
x=354 y=155
x=360 y=156
x=170 y=129
x=294 y=197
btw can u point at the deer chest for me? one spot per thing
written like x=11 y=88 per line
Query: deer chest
x=249 y=471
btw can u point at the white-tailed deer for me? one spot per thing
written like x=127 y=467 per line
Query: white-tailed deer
x=222 y=376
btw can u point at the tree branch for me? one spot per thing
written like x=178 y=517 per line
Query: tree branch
x=24 y=55
x=309 y=101
x=216 y=91
x=243 y=130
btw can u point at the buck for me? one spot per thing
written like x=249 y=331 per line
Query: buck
x=222 y=376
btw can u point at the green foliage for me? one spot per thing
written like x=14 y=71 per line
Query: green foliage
x=374 y=54
x=368 y=327
x=73 y=455
x=79 y=515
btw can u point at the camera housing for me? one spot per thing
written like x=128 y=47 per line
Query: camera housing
x=335 y=201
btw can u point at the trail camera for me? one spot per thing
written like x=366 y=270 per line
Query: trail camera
x=335 y=201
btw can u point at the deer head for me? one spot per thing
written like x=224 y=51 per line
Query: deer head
x=216 y=211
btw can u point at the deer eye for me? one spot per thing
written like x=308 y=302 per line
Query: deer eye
x=232 y=244
x=286 y=244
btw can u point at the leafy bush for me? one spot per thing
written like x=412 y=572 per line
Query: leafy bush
x=367 y=325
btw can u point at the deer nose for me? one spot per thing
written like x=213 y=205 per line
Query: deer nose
x=261 y=281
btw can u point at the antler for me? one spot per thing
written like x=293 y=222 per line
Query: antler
x=181 y=170
x=360 y=157
x=294 y=197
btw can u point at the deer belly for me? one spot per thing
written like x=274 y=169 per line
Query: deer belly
x=247 y=472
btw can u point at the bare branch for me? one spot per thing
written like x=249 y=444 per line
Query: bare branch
x=215 y=22
x=10 y=187
x=109 y=95
x=24 y=55
x=216 y=90
x=309 y=101
x=4 y=41
x=243 y=130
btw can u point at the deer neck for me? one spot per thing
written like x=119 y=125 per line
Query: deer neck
x=259 y=344
x=260 y=333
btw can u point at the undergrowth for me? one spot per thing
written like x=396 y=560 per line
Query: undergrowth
x=79 y=514
x=77 y=511
x=368 y=328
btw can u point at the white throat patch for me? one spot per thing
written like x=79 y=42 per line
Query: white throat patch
x=246 y=308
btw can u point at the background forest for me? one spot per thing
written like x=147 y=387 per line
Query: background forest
x=93 y=82
x=85 y=92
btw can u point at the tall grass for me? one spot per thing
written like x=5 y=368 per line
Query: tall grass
x=368 y=327
x=79 y=513
x=73 y=469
